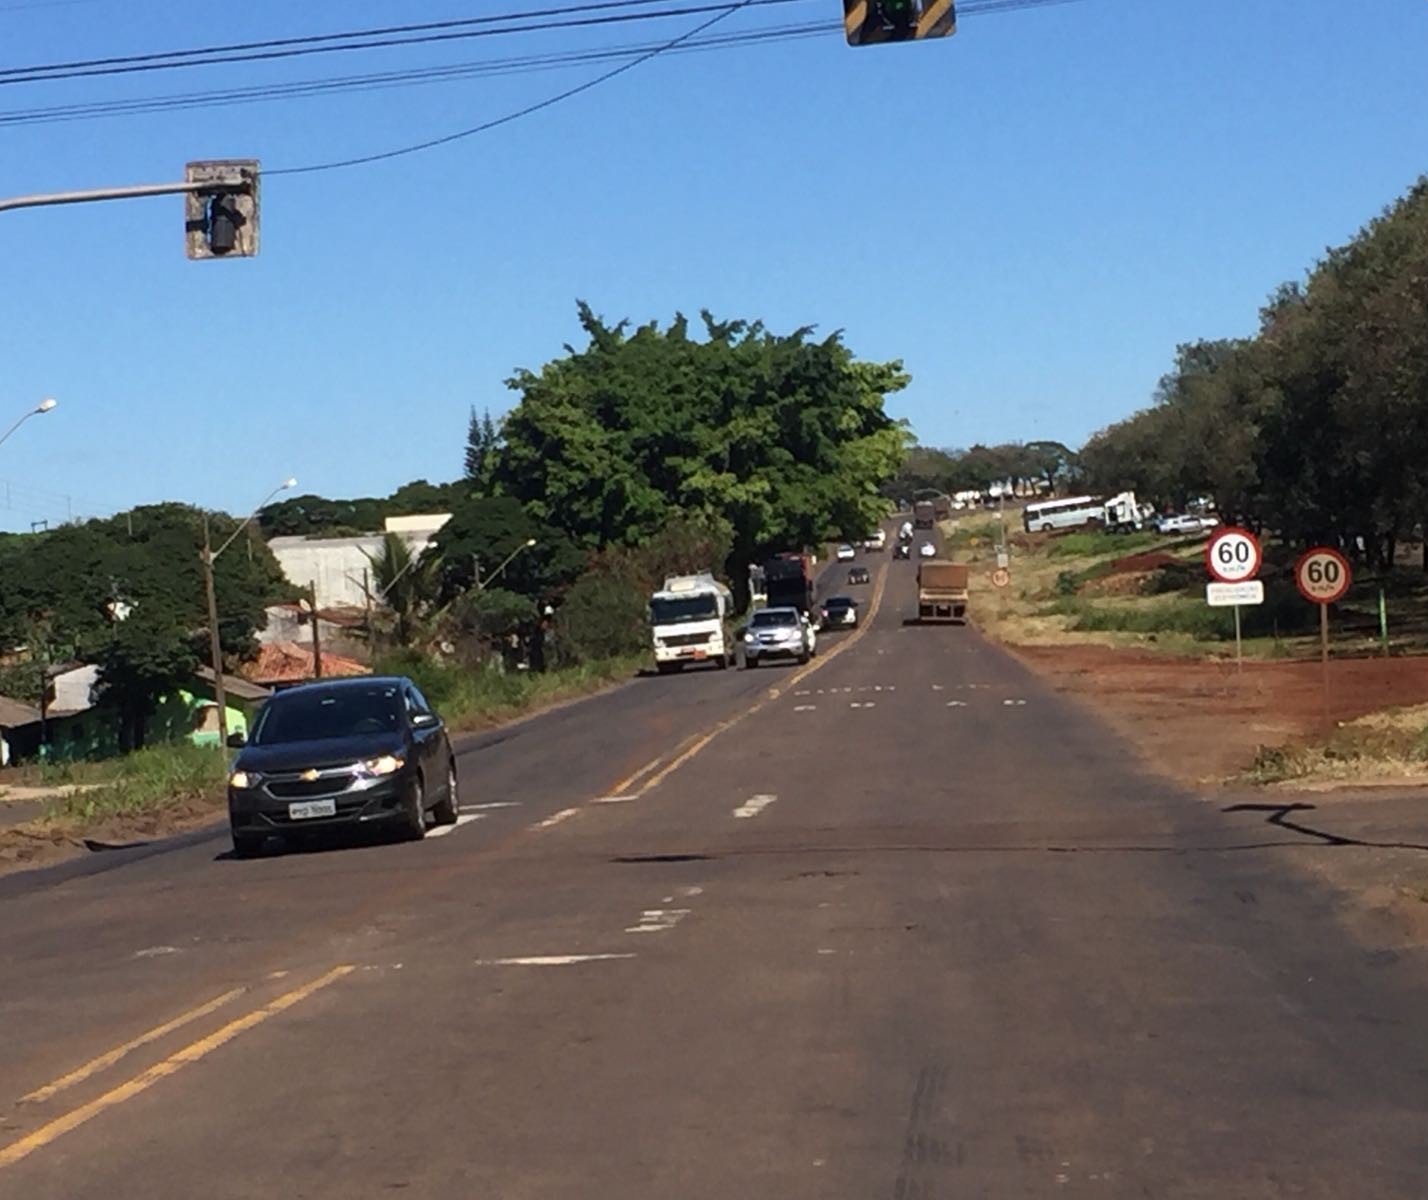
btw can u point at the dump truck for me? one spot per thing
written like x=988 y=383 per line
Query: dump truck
x=788 y=581
x=942 y=591
x=923 y=514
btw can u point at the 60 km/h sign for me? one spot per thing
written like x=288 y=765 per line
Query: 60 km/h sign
x=1322 y=575
x=1233 y=555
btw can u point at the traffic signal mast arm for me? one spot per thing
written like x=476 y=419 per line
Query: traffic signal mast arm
x=237 y=186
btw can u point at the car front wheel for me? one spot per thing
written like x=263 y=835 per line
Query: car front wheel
x=414 y=815
x=247 y=845
x=447 y=809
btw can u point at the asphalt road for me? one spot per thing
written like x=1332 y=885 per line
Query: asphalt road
x=902 y=924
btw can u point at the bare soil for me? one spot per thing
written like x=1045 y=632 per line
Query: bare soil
x=1201 y=722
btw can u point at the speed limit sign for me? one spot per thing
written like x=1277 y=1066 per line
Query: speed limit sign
x=1001 y=577
x=1233 y=555
x=1322 y=575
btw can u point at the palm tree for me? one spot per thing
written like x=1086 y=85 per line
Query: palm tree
x=405 y=583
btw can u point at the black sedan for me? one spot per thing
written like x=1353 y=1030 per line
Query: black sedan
x=342 y=753
x=839 y=612
x=858 y=575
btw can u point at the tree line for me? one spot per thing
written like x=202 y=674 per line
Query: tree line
x=648 y=451
x=1316 y=427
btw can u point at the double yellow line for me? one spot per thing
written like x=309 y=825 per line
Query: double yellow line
x=174 y=1063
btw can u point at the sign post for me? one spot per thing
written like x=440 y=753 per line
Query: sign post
x=1233 y=558
x=1323 y=576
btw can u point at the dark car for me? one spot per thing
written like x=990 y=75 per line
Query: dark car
x=858 y=575
x=902 y=550
x=840 y=612
x=342 y=753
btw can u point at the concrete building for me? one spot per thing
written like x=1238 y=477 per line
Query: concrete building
x=341 y=567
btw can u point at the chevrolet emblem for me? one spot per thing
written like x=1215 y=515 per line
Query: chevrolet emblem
x=310 y=774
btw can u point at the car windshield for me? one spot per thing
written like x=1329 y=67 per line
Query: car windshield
x=677 y=610
x=839 y=602
x=318 y=715
x=773 y=618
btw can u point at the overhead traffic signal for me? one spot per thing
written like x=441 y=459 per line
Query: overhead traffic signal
x=868 y=22
x=221 y=217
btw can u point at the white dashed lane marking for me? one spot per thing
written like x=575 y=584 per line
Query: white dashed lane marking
x=464 y=819
x=804 y=707
x=1014 y=703
x=556 y=818
x=549 y=960
x=956 y=704
x=753 y=806
x=490 y=804
x=658 y=920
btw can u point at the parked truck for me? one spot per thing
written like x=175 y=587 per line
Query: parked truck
x=788 y=580
x=941 y=508
x=942 y=590
x=689 y=622
x=923 y=514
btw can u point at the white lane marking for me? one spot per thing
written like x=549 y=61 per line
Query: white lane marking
x=462 y=819
x=862 y=704
x=658 y=920
x=1013 y=703
x=892 y=687
x=937 y=687
x=691 y=891
x=805 y=707
x=549 y=960
x=866 y=688
x=491 y=804
x=956 y=704
x=613 y=799
x=155 y=951
x=556 y=818
x=754 y=805
x=803 y=692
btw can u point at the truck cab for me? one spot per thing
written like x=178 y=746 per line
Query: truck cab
x=689 y=622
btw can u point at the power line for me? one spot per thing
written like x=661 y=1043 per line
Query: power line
x=287 y=48
x=988 y=6
x=527 y=110
x=481 y=68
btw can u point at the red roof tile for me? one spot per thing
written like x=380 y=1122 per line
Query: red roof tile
x=289 y=662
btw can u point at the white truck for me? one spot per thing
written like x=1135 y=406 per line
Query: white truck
x=1124 y=513
x=689 y=622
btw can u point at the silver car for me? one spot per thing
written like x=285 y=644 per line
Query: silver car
x=775 y=633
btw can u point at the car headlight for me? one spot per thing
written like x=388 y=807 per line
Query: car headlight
x=750 y=639
x=243 y=780
x=383 y=764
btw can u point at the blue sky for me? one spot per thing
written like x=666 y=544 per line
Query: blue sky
x=1031 y=215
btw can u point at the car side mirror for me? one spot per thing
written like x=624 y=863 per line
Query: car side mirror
x=237 y=740
x=425 y=720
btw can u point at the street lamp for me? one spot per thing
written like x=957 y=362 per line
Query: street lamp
x=525 y=545
x=208 y=555
x=44 y=406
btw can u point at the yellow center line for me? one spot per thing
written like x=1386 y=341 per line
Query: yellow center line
x=110 y=1057
x=191 y=1053
x=773 y=693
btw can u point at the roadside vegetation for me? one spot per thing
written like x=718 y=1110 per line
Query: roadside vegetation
x=1383 y=747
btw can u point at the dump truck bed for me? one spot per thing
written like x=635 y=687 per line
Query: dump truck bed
x=942 y=590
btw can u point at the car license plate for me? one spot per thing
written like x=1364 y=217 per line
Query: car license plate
x=305 y=810
x=701 y=654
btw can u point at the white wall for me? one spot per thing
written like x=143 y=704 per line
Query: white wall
x=335 y=565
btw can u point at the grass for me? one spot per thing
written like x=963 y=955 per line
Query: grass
x=473 y=698
x=144 y=783
x=1388 y=745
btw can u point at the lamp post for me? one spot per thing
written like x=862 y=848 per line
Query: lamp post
x=208 y=555
x=525 y=545
x=46 y=405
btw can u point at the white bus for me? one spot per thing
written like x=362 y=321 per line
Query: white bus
x=1069 y=513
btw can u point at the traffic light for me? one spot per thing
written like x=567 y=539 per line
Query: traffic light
x=221 y=219
x=868 y=22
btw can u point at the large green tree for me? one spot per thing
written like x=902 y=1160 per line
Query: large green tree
x=782 y=436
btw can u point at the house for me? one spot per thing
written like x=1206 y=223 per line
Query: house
x=13 y=715
x=76 y=724
x=282 y=664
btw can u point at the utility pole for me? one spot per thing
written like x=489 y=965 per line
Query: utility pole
x=213 y=643
x=316 y=637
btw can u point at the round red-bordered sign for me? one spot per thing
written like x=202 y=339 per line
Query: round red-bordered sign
x=1233 y=555
x=1322 y=575
x=1001 y=577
